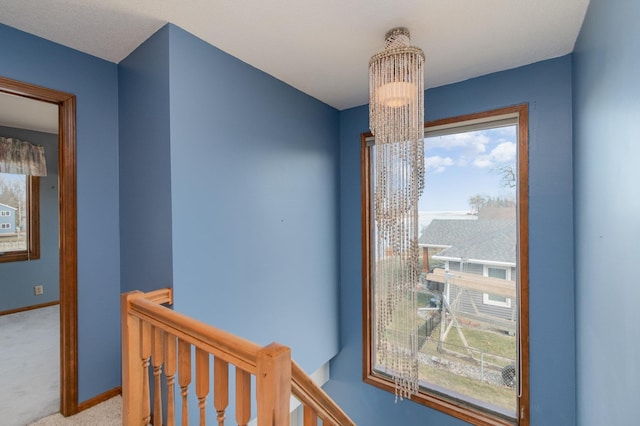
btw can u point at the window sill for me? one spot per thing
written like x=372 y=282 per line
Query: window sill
x=468 y=414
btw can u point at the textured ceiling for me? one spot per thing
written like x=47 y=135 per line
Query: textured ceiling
x=321 y=47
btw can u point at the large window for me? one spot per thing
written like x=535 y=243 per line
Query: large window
x=19 y=217
x=472 y=317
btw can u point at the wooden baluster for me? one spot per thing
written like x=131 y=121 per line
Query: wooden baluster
x=170 y=371
x=220 y=388
x=145 y=356
x=243 y=397
x=184 y=377
x=157 y=358
x=202 y=382
x=310 y=417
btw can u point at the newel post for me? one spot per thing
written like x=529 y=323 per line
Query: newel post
x=131 y=367
x=273 y=385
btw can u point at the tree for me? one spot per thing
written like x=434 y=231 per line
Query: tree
x=476 y=202
x=500 y=201
x=507 y=174
x=13 y=193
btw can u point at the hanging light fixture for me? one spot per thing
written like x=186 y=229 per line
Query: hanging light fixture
x=396 y=117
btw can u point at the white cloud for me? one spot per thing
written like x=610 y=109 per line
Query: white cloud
x=437 y=164
x=483 y=162
x=473 y=142
x=505 y=152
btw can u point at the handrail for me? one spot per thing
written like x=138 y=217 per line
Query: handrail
x=312 y=396
x=145 y=323
x=227 y=346
x=161 y=296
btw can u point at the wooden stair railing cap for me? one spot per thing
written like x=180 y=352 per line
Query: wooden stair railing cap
x=229 y=347
x=312 y=395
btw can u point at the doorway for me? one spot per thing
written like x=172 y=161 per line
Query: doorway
x=67 y=232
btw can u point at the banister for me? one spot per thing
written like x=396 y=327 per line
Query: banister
x=312 y=395
x=226 y=346
x=160 y=296
x=277 y=375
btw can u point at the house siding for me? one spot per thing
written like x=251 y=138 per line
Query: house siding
x=7 y=220
x=471 y=305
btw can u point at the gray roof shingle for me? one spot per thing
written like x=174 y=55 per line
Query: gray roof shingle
x=490 y=240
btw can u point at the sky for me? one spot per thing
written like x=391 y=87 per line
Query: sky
x=12 y=179
x=459 y=166
x=8 y=177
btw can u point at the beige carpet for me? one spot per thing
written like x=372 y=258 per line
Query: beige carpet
x=29 y=365
x=109 y=413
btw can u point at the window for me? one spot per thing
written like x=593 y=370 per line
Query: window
x=500 y=273
x=496 y=300
x=473 y=290
x=20 y=217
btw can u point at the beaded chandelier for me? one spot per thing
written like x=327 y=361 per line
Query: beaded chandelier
x=396 y=116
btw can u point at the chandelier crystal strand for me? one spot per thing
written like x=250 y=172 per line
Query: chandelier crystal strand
x=396 y=111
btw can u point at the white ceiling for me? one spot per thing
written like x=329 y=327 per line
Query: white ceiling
x=321 y=47
x=24 y=113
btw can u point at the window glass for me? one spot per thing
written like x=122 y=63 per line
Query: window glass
x=497 y=273
x=13 y=202
x=19 y=214
x=469 y=330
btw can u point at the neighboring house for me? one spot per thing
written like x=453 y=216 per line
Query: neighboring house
x=477 y=259
x=7 y=219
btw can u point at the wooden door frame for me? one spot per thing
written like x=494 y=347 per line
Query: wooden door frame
x=67 y=233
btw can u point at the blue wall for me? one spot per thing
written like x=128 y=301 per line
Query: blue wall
x=34 y=60
x=145 y=166
x=546 y=86
x=254 y=188
x=607 y=202
x=249 y=180
x=18 y=278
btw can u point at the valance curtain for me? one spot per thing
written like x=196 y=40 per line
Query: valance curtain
x=21 y=158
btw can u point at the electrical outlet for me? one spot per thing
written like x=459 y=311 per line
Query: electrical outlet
x=38 y=290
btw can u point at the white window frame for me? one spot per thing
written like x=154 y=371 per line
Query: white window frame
x=485 y=271
x=486 y=299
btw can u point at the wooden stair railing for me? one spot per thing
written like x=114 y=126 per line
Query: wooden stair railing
x=155 y=338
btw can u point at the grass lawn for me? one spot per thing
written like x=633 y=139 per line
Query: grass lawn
x=499 y=396
x=496 y=347
x=460 y=375
x=498 y=350
x=490 y=342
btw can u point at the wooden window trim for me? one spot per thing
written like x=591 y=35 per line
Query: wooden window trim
x=33 y=229
x=433 y=400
